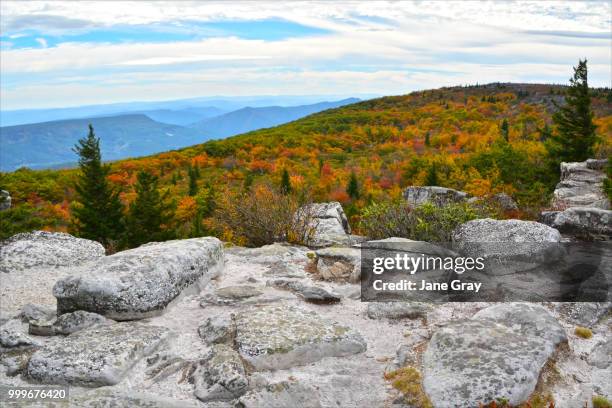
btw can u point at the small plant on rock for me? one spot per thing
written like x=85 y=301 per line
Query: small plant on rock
x=583 y=332
x=601 y=402
x=407 y=380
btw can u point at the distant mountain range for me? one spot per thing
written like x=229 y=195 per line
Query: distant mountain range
x=247 y=119
x=49 y=144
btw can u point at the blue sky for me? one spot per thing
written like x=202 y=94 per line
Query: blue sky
x=55 y=54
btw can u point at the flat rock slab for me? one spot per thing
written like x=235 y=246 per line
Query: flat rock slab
x=279 y=337
x=282 y=395
x=231 y=295
x=42 y=249
x=114 y=398
x=94 y=357
x=398 y=310
x=311 y=294
x=499 y=353
x=141 y=282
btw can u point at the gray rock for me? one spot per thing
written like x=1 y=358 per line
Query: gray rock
x=499 y=353
x=41 y=327
x=72 y=322
x=330 y=224
x=279 y=337
x=15 y=360
x=109 y=398
x=398 y=310
x=220 y=375
x=312 y=294
x=281 y=395
x=12 y=335
x=581 y=185
x=231 y=295
x=141 y=282
x=505 y=202
x=5 y=200
x=583 y=222
x=586 y=314
x=440 y=196
x=31 y=312
x=218 y=330
x=42 y=249
x=339 y=264
x=601 y=356
x=94 y=357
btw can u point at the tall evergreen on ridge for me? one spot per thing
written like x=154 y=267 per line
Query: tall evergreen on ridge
x=99 y=213
x=148 y=214
x=505 y=130
x=352 y=188
x=574 y=138
x=432 y=175
x=193 y=181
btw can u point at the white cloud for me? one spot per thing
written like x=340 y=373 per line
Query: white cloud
x=42 y=42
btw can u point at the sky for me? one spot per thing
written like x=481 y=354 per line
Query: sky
x=57 y=54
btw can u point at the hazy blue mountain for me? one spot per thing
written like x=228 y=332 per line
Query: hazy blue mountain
x=49 y=144
x=183 y=117
x=252 y=118
x=223 y=103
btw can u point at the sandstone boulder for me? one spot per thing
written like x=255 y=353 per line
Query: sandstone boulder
x=141 y=282
x=581 y=185
x=279 y=337
x=42 y=249
x=94 y=357
x=339 y=264
x=584 y=222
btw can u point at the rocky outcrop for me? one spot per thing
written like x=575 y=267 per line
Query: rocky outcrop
x=279 y=337
x=331 y=226
x=141 y=282
x=581 y=185
x=12 y=335
x=69 y=323
x=499 y=353
x=42 y=249
x=440 y=196
x=505 y=202
x=31 y=312
x=220 y=375
x=99 y=356
x=339 y=264
x=583 y=222
x=5 y=200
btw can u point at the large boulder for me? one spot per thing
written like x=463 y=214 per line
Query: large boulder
x=499 y=353
x=280 y=337
x=220 y=375
x=141 y=282
x=440 y=196
x=94 y=357
x=581 y=185
x=5 y=200
x=331 y=226
x=42 y=249
x=584 y=222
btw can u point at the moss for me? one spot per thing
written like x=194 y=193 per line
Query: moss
x=601 y=402
x=407 y=380
x=311 y=255
x=539 y=401
x=583 y=332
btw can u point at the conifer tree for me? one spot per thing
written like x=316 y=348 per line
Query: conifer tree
x=575 y=137
x=148 y=214
x=432 y=176
x=427 y=141
x=193 y=181
x=352 y=189
x=505 y=130
x=285 y=186
x=99 y=213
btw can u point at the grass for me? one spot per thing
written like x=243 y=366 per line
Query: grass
x=601 y=402
x=407 y=380
x=583 y=332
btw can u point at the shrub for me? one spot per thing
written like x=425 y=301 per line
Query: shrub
x=583 y=332
x=426 y=222
x=601 y=402
x=264 y=216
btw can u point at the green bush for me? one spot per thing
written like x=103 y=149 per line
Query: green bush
x=426 y=222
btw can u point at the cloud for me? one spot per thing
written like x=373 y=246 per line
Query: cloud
x=42 y=42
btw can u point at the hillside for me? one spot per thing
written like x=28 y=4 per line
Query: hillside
x=388 y=143
x=249 y=118
x=121 y=136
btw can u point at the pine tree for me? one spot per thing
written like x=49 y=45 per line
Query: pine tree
x=352 y=189
x=575 y=137
x=148 y=213
x=505 y=130
x=285 y=186
x=193 y=181
x=99 y=214
x=432 y=176
x=427 y=141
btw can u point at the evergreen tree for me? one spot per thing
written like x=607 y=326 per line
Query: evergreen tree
x=148 y=213
x=352 y=189
x=285 y=186
x=193 y=181
x=206 y=204
x=575 y=137
x=432 y=176
x=545 y=133
x=505 y=130
x=427 y=141
x=248 y=181
x=99 y=215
